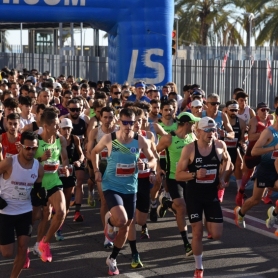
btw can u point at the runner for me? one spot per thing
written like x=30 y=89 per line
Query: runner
x=18 y=174
x=200 y=166
x=173 y=143
x=119 y=183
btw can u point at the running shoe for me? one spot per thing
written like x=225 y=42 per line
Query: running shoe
x=27 y=260
x=108 y=244
x=153 y=214
x=112 y=267
x=91 y=201
x=188 y=250
x=239 y=220
x=109 y=231
x=78 y=217
x=59 y=236
x=221 y=194
x=36 y=250
x=239 y=198
x=198 y=273
x=271 y=220
x=209 y=236
x=266 y=199
x=44 y=248
x=136 y=262
x=145 y=234
x=162 y=208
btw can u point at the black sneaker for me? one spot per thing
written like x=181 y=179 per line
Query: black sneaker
x=153 y=214
x=188 y=250
x=145 y=233
x=162 y=208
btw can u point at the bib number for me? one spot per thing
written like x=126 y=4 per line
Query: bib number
x=125 y=170
x=21 y=193
x=274 y=155
x=51 y=167
x=104 y=155
x=209 y=178
x=231 y=143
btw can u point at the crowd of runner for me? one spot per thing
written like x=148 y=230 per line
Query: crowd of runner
x=145 y=152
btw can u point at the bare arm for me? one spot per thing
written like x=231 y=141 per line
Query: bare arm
x=6 y=166
x=78 y=148
x=252 y=113
x=252 y=134
x=91 y=142
x=64 y=154
x=164 y=142
x=227 y=126
x=41 y=173
x=146 y=149
x=265 y=138
x=92 y=124
x=224 y=158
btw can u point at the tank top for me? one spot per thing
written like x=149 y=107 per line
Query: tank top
x=35 y=126
x=104 y=153
x=17 y=188
x=211 y=163
x=9 y=148
x=245 y=116
x=2 y=128
x=173 y=152
x=122 y=172
x=51 y=166
x=72 y=151
x=233 y=143
x=267 y=159
x=92 y=113
x=79 y=129
x=217 y=119
x=143 y=173
x=154 y=133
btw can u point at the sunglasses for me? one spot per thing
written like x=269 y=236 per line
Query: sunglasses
x=29 y=148
x=118 y=107
x=1 y=111
x=75 y=109
x=214 y=103
x=233 y=110
x=117 y=93
x=264 y=110
x=128 y=122
x=209 y=129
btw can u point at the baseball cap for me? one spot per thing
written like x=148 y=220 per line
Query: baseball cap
x=57 y=85
x=206 y=122
x=262 y=105
x=32 y=79
x=196 y=103
x=187 y=117
x=198 y=92
x=65 y=123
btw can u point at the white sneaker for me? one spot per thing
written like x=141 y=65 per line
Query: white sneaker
x=112 y=267
x=109 y=231
x=108 y=244
x=36 y=250
x=271 y=220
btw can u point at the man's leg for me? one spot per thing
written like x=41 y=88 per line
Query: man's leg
x=80 y=175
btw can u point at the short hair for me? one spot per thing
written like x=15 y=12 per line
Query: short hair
x=241 y=95
x=137 y=111
x=84 y=85
x=13 y=116
x=25 y=101
x=99 y=103
x=25 y=87
x=48 y=116
x=232 y=101
x=40 y=106
x=128 y=112
x=11 y=83
x=213 y=95
x=165 y=103
x=100 y=95
x=236 y=90
x=186 y=87
x=116 y=101
x=155 y=101
x=143 y=105
x=74 y=101
x=276 y=100
x=106 y=109
x=28 y=135
x=67 y=93
x=172 y=101
x=129 y=104
x=10 y=103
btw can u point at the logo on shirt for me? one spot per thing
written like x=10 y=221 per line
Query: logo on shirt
x=214 y=158
x=199 y=160
x=133 y=150
x=33 y=176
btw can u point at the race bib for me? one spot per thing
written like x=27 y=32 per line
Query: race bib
x=231 y=143
x=274 y=155
x=21 y=193
x=61 y=173
x=125 y=170
x=104 y=154
x=163 y=154
x=50 y=166
x=8 y=155
x=209 y=178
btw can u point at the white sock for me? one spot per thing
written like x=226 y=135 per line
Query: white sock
x=198 y=262
x=238 y=184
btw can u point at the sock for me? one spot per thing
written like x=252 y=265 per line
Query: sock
x=198 y=262
x=144 y=226
x=93 y=192
x=132 y=244
x=240 y=213
x=109 y=222
x=77 y=207
x=115 y=252
x=184 y=237
x=153 y=204
x=238 y=183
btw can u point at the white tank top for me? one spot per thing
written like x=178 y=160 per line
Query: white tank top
x=245 y=116
x=17 y=188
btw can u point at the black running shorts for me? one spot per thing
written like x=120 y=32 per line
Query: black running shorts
x=176 y=188
x=21 y=224
x=143 y=195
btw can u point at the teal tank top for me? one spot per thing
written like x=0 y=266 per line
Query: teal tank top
x=267 y=159
x=121 y=174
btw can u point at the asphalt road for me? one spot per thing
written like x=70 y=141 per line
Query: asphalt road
x=250 y=252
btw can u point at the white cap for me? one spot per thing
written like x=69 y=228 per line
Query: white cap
x=65 y=123
x=196 y=103
x=57 y=85
x=206 y=122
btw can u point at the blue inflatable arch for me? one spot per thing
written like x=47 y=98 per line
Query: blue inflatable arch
x=139 y=31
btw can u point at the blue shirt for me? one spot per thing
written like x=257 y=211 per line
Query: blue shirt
x=143 y=98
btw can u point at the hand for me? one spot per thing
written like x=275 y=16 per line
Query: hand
x=244 y=146
x=77 y=163
x=98 y=176
x=222 y=184
x=65 y=171
x=140 y=164
x=160 y=175
x=221 y=132
x=201 y=173
x=46 y=155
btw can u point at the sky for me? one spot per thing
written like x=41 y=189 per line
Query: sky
x=14 y=37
